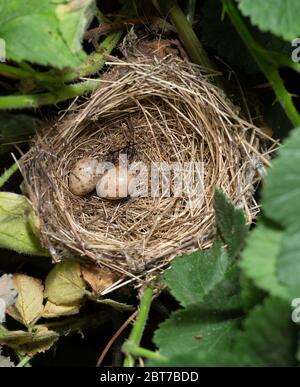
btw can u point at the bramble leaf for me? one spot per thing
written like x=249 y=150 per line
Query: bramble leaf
x=34 y=31
x=282 y=190
x=281 y=203
x=269 y=337
x=207 y=276
x=288 y=263
x=64 y=285
x=29 y=305
x=29 y=343
x=16 y=232
x=259 y=259
x=193 y=276
x=231 y=224
x=74 y=17
x=281 y=17
x=193 y=330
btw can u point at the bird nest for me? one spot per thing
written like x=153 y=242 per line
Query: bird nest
x=158 y=112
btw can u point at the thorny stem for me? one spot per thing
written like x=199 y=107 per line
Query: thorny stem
x=265 y=61
x=95 y=61
x=135 y=337
x=8 y=173
x=91 y=65
x=14 y=72
x=51 y=98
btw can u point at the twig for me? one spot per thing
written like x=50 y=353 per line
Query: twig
x=8 y=173
x=114 y=338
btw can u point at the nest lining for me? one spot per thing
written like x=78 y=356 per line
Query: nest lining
x=153 y=110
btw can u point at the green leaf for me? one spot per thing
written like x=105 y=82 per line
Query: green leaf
x=288 y=264
x=251 y=295
x=281 y=17
x=206 y=276
x=226 y=295
x=216 y=358
x=15 y=129
x=64 y=285
x=15 y=230
x=193 y=276
x=194 y=330
x=231 y=224
x=269 y=338
x=281 y=203
x=32 y=32
x=259 y=259
x=281 y=194
x=74 y=17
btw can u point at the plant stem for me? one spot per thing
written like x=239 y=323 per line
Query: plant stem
x=265 y=61
x=8 y=173
x=143 y=352
x=94 y=62
x=14 y=72
x=24 y=362
x=136 y=334
x=185 y=31
x=36 y=100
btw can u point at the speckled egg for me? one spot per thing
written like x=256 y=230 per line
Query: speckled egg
x=83 y=177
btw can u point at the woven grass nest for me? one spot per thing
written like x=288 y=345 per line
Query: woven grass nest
x=154 y=110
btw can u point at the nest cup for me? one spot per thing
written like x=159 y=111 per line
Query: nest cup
x=153 y=111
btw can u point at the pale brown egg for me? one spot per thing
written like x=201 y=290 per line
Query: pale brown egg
x=83 y=177
x=113 y=185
